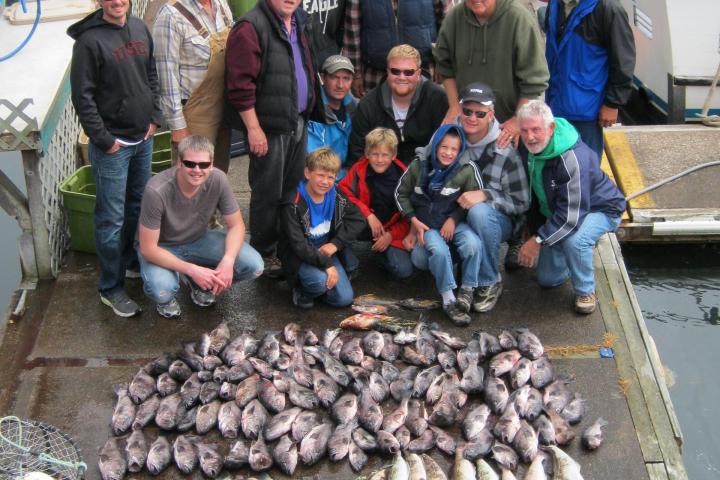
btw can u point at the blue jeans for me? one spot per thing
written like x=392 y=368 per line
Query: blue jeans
x=572 y=257
x=436 y=257
x=492 y=227
x=591 y=133
x=161 y=284
x=120 y=180
x=313 y=280
x=394 y=260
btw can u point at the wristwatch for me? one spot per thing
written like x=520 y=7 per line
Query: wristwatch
x=538 y=240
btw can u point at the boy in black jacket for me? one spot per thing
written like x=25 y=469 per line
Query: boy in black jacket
x=313 y=228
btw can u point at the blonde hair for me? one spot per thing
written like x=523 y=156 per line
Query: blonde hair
x=323 y=159
x=381 y=137
x=404 y=52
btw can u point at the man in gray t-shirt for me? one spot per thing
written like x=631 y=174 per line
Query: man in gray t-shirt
x=175 y=242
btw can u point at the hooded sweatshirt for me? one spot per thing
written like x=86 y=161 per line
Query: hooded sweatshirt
x=324 y=28
x=506 y=53
x=113 y=79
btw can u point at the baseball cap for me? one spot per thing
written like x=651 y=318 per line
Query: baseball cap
x=337 y=62
x=477 y=92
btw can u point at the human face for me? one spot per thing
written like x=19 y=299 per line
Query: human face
x=195 y=176
x=380 y=159
x=483 y=9
x=475 y=128
x=402 y=85
x=284 y=8
x=535 y=135
x=337 y=84
x=115 y=11
x=447 y=150
x=319 y=182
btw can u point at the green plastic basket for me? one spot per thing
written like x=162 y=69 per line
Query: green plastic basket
x=161 y=159
x=78 y=191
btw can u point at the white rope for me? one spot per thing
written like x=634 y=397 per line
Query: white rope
x=712 y=120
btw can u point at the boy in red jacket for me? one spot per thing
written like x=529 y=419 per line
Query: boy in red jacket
x=370 y=184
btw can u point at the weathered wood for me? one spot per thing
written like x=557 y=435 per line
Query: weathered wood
x=656 y=471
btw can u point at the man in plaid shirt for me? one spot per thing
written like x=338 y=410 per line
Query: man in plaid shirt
x=504 y=197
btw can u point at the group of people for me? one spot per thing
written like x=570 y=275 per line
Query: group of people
x=428 y=139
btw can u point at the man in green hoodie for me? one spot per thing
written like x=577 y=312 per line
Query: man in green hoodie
x=496 y=42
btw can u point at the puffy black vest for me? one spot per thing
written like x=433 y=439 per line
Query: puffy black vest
x=415 y=25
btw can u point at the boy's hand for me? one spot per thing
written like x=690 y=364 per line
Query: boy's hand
x=382 y=243
x=329 y=249
x=469 y=199
x=420 y=229
x=376 y=226
x=409 y=241
x=448 y=229
x=332 y=277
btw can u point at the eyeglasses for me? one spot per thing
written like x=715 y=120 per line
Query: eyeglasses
x=406 y=72
x=478 y=113
x=200 y=165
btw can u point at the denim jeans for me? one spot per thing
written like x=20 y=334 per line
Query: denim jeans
x=313 y=284
x=492 y=227
x=394 y=260
x=161 y=284
x=591 y=133
x=436 y=257
x=572 y=257
x=120 y=180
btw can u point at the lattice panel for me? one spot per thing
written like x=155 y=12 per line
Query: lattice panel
x=59 y=162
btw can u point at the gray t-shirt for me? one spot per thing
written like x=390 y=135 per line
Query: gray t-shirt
x=183 y=220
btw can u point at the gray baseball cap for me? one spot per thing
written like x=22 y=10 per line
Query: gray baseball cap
x=337 y=62
x=477 y=92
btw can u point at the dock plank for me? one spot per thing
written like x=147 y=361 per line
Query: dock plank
x=630 y=178
x=657 y=471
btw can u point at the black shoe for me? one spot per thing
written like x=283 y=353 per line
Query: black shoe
x=302 y=301
x=455 y=314
x=121 y=304
x=464 y=299
x=273 y=267
x=486 y=298
x=353 y=274
x=200 y=297
x=511 y=257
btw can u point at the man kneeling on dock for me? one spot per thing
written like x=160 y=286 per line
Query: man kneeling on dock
x=175 y=242
x=573 y=203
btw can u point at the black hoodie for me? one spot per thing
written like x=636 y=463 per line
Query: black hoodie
x=113 y=79
x=324 y=28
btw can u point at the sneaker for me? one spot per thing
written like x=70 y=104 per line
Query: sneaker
x=585 y=304
x=486 y=298
x=200 y=297
x=170 y=309
x=130 y=273
x=464 y=299
x=273 y=267
x=454 y=313
x=121 y=304
x=301 y=300
x=511 y=257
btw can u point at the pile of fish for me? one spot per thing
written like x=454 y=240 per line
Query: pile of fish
x=254 y=403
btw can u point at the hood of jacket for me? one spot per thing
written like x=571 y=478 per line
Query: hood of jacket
x=438 y=173
x=94 y=20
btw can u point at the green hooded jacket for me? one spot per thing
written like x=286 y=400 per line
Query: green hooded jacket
x=507 y=53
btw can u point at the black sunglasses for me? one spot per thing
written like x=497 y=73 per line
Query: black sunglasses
x=478 y=113
x=408 y=72
x=200 y=165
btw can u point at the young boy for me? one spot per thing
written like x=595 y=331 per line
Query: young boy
x=427 y=195
x=370 y=184
x=318 y=224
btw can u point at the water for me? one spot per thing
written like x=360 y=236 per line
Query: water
x=11 y=165
x=680 y=297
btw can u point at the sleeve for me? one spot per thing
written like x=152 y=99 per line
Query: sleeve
x=157 y=115
x=84 y=77
x=351 y=35
x=531 y=69
x=243 y=59
x=620 y=45
x=439 y=106
x=300 y=245
x=361 y=125
x=443 y=52
x=514 y=197
x=404 y=189
x=151 y=210
x=398 y=230
x=353 y=223
x=168 y=34
x=227 y=204
x=345 y=187
x=471 y=182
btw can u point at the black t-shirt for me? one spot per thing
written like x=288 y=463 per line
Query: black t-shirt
x=340 y=113
x=382 y=191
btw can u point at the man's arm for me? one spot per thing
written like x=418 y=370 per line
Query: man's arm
x=620 y=45
x=351 y=44
x=168 y=33
x=152 y=75
x=360 y=127
x=233 y=243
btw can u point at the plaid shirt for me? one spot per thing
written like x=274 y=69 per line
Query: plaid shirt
x=351 y=40
x=182 y=54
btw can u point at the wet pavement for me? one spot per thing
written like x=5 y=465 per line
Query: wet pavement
x=61 y=360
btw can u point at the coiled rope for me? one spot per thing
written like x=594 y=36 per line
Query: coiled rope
x=29 y=36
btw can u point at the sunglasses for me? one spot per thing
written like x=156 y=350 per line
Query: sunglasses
x=478 y=113
x=408 y=72
x=200 y=165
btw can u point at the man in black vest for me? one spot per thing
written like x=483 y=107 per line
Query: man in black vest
x=270 y=88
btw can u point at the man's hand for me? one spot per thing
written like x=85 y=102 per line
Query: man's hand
x=469 y=199
x=452 y=114
x=382 y=242
x=204 y=277
x=510 y=133
x=607 y=116
x=332 y=277
x=376 y=226
x=529 y=252
x=358 y=87
x=224 y=275
x=448 y=229
x=115 y=147
x=150 y=131
x=329 y=249
x=419 y=229
x=177 y=136
x=258 y=141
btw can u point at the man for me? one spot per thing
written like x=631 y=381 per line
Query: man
x=574 y=203
x=496 y=42
x=115 y=94
x=332 y=122
x=270 y=83
x=373 y=27
x=494 y=211
x=590 y=50
x=405 y=102
x=176 y=246
x=190 y=37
